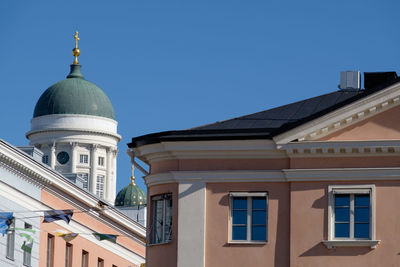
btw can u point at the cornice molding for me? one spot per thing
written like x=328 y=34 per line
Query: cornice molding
x=24 y=173
x=344 y=117
x=22 y=170
x=310 y=149
x=286 y=175
x=79 y=130
x=214 y=177
x=229 y=149
x=342 y=174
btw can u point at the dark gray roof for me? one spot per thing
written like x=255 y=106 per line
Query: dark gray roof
x=277 y=117
x=264 y=124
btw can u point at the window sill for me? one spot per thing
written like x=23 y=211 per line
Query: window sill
x=247 y=242
x=351 y=243
x=158 y=244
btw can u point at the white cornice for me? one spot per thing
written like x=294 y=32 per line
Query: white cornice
x=345 y=116
x=47 y=176
x=214 y=177
x=77 y=130
x=228 y=149
x=311 y=149
x=75 y=123
x=286 y=175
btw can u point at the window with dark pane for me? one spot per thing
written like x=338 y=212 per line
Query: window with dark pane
x=352 y=213
x=249 y=218
x=362 y=216
x=162 y=218
x=342 y=215
x=239 y=218
x=259 y=219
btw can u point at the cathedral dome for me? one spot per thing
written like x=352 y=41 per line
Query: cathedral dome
x=130 y=196
x=74 y=95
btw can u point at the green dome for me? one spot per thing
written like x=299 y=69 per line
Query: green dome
x=74 y=95
x=131 y=195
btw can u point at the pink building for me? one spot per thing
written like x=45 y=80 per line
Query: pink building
x=312 y=183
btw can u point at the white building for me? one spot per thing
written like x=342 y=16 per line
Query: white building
x=74 y=125
x=13 y=184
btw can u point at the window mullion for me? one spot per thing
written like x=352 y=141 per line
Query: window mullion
x=249 y=211
x=163 y=220
x=352 y=216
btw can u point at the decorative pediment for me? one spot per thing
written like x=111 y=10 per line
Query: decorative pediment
x=344 y=117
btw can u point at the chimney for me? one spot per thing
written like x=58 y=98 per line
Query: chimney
x=376 y=79
x=350 y=80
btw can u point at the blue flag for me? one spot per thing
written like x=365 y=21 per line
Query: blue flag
x=101 y=237
x=55 y=215
x=4 y=217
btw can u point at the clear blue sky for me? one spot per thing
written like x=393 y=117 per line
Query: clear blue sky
x=169 y=65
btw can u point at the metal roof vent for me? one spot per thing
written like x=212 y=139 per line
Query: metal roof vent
x=350 y=80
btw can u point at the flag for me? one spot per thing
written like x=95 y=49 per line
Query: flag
x=4 y=221
x=27 y=247
x=67 y=236
x=101 y=237
x=55 y=215
x=28 y=243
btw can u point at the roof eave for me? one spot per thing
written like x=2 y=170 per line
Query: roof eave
x=201 y=135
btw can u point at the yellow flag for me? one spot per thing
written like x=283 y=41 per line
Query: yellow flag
x=67 y=236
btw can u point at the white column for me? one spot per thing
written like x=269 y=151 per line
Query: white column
x=73 y=157
x=53 y=155
x=191 y=224
x=109 y=177
x=93 y=167
x=114 y=173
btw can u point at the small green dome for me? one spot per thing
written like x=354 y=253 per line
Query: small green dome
x=131 y=195
x=74 y=95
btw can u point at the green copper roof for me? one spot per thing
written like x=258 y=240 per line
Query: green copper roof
x=131 y=195
x=74 y=95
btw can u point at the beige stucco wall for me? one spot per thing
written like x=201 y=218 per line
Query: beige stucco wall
x=309 y=220
x=383 y=126
x=220 y=253
x=164 y=255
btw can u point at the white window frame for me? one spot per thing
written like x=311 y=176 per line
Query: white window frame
x=163 y=198
x=249 y=196
x=100 y=161
x=83 y=158
x=85 y=177
x=350 y=242
x=100 y=180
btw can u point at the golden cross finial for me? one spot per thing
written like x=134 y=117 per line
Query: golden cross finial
x=76 y=52
x=133 y=176
x=76 y=39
